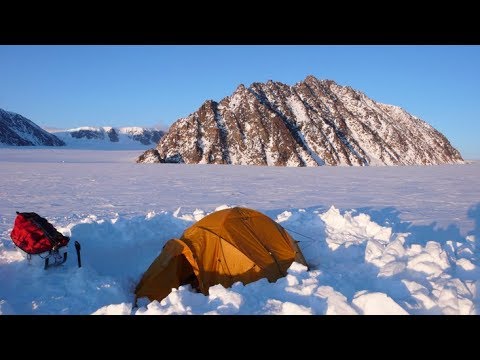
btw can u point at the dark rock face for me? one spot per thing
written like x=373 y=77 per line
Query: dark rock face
x=148 y=138
x=87 y=134
x=152 y=156
x=315 y=122
x=149 y=156
x=112 y=135
x=19 y=131
x=143 y=135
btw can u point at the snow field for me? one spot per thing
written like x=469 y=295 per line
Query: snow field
x=400 y=240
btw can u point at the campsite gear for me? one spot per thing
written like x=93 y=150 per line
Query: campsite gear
x=34 y=235
x=77 y=248
x=56 y=256
x=227 y=246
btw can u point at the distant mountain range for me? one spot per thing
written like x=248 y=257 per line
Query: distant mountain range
x=110 y=137
x=16 y=130
x=312 y=123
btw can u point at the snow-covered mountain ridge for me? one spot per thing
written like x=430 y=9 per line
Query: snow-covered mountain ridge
x=17 y=130
x=314 y=122
x=110 y=137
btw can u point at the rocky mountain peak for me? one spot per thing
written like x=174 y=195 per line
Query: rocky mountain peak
x=314 y=122
x=240 y=89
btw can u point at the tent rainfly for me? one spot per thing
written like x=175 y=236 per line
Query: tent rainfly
x=236 y=244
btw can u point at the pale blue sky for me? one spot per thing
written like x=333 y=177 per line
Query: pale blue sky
x=71 y=86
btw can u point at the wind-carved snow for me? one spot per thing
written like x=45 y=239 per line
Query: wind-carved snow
x=344 y=229
x=377 y=304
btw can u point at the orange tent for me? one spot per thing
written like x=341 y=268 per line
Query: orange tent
x=227 y=246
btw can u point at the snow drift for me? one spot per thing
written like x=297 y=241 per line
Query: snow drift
x=371 y=271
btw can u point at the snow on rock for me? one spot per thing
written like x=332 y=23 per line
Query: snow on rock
x=150 y=156
x=312 y=123
x=107 y=137
x=16 y=130
x=377 y=304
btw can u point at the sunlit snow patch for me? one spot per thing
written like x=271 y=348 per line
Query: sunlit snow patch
x=349 y=230
x=115 y=309
x=377 y=304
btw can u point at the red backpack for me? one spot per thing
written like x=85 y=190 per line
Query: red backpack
x=34 y=235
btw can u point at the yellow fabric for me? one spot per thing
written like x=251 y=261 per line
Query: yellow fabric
x=169 y=270
x=227 y=246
